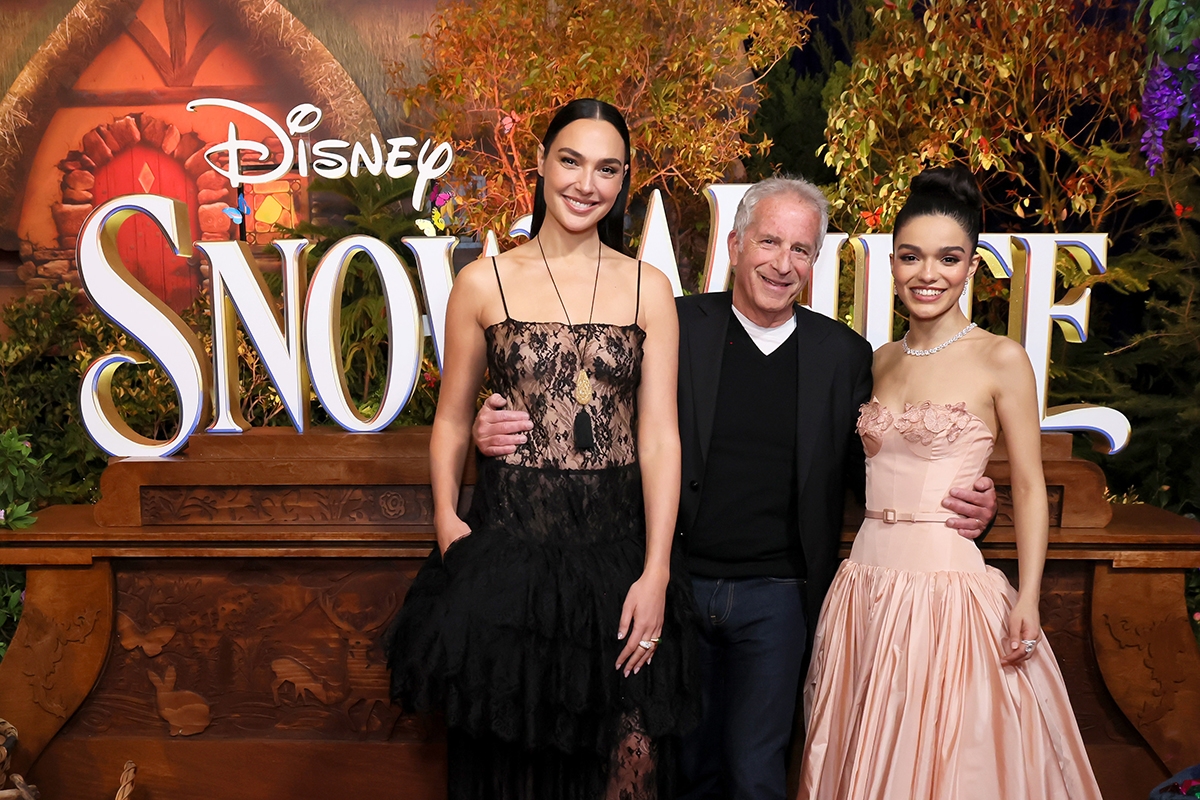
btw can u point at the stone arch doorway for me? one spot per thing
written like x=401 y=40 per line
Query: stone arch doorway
x=138 y=154
x=143 y=248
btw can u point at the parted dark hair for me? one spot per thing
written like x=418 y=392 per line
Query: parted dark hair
x=949 y=192
x=612 y=227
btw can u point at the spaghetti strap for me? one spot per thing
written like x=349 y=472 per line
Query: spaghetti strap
x=500 y=286
x=637 y=308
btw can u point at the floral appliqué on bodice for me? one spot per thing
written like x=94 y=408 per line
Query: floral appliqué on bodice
x=919 y=424
x=534 y=365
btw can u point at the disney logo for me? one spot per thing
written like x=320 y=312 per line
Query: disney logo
x=326 y=157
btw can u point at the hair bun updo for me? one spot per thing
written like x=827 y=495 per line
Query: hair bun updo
x=945 y=191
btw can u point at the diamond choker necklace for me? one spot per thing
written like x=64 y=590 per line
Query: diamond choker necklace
x=908 y=351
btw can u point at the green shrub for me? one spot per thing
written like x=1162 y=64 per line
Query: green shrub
x=22 y=485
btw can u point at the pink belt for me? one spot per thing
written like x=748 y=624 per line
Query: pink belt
x=891 y=516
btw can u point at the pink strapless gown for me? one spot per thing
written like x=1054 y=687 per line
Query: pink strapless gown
x=906 y=698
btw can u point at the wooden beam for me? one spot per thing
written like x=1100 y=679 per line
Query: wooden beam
x=176 y=18
x=152 y=48
x=167 y=96
x=207 y=42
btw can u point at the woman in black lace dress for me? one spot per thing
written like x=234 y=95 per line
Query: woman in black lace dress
x=549 y=625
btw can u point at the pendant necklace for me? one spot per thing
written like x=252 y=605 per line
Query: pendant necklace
x=908 y=351
x=583 y=386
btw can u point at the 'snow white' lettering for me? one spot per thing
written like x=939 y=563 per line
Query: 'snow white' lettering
x=299 y=354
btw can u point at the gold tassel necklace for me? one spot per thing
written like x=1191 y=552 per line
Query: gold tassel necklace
x=584 y=439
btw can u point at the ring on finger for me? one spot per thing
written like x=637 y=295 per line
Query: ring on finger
x=1029 y=644
x=646 y=644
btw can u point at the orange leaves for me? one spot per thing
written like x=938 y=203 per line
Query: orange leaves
x=872 y=218
x=496 y=70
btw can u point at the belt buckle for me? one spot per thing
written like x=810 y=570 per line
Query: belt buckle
x=889 y=516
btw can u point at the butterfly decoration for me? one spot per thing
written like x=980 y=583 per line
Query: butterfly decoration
x=151 y=642
x=441 y=201
x=509 y=121
x=435 y=224
x=240 y=213
x=872 y=217
x=439 y=197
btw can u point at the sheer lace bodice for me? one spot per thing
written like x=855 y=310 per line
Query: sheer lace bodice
x=534 y=364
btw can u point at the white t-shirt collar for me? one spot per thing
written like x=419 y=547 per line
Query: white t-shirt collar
x=767 y=340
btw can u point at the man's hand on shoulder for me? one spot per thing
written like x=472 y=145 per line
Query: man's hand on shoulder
x=497 y=432
x=976 y=508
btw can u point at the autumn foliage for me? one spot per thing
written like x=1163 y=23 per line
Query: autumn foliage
x=1027 y=93
x=684 y=73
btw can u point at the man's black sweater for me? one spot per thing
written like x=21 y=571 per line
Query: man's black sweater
x=746 y=523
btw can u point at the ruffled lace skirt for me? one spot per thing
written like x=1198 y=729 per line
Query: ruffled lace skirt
x=906 y=696
x=513 y=635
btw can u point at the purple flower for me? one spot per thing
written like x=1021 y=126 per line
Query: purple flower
x=1161 y=103
x=1192 y=111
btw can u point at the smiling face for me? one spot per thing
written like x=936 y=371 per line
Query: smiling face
x=931 y=262
x=582 y=171
x=773 y=261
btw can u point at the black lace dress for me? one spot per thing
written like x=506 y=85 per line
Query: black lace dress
x=513 y=634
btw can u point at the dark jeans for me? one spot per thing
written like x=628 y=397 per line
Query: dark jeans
x=752 y=641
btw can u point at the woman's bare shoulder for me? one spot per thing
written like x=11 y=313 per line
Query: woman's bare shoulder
x=887 y=354
x=477 y=288
x=1005 y=360
x=1000 y=351
x=655 y=281
x=477 y=274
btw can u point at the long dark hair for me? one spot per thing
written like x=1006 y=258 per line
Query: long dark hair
x=949 y=192
x=612 y=227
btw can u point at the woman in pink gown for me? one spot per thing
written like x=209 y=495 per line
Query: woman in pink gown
x=930 y=676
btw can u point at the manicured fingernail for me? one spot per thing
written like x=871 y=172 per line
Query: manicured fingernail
x=636 y=671
x=626 y=673
x=521 y=439
x=620 y=635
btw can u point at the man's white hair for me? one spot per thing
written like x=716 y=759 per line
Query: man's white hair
x=798 y=188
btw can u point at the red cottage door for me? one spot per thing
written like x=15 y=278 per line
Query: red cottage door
x=147 y=254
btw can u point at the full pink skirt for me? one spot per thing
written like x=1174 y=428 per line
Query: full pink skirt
x=906 y=697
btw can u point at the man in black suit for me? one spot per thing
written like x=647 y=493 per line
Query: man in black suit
x=769 y=394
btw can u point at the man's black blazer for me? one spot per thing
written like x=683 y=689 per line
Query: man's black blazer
x=834 y=380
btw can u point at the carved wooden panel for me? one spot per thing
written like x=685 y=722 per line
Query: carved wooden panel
x=56 y=654
x=1126 y=766
x=1147 y=653
x=231 y=648
x=282 y=505
x=1066 y=620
